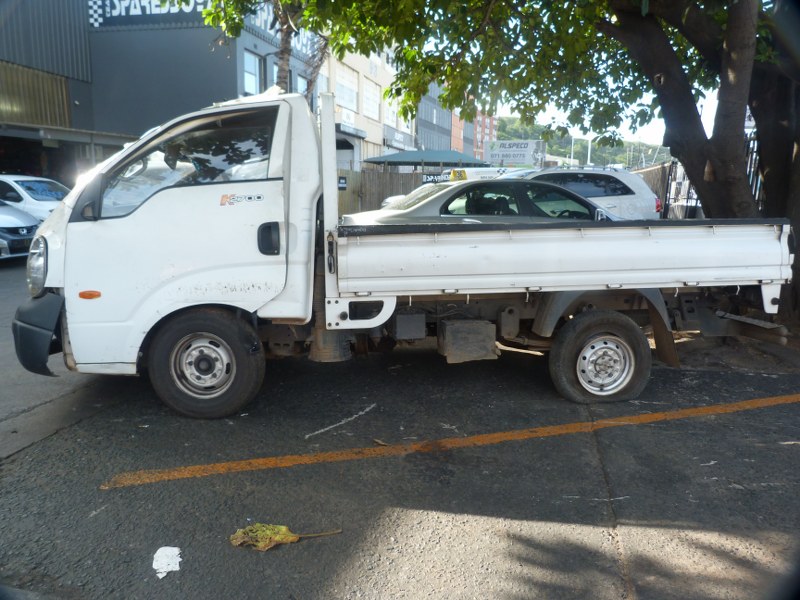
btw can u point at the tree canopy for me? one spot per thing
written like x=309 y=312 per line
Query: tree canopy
x=602 y=63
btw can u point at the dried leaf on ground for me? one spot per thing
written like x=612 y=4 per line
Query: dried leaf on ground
x=263 y=537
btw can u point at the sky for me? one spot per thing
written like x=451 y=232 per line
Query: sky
x=652 y=133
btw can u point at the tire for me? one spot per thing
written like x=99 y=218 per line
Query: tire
x=206 y=363
x=600 y=356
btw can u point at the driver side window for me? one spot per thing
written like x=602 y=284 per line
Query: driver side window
x=214 y=149
x=553 y=203
x=484 y=200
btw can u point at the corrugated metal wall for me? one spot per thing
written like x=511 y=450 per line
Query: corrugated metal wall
x=47 y=35
x=32 y=97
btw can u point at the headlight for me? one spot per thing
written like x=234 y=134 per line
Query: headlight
x=37 y=267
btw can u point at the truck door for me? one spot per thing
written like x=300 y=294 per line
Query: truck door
x=196 y=215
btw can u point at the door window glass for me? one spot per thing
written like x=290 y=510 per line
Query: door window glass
x=590 y=185
x=548 y=202
x=483 y=200
x=215 y=149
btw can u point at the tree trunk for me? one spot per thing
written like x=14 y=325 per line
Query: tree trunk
x=771 y=97
x=285 y=31
x=320 y=55
x=727 y=162
x=790 y=308
x=715 y=167
x=684 y=135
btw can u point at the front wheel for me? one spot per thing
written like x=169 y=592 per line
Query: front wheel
x=206 y=363
x=600 y=356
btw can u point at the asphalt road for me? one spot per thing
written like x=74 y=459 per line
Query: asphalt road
x=32 y=406
x=447 y=481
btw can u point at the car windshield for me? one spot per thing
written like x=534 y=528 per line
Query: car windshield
x=417 y=196
x=43 y=190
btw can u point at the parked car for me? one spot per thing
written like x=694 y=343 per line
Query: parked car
x=36 y=196
x=464 y=174
x=16 y=231
x=425 y=189
x=518 y=173
x=492 y=201
x=619 y=192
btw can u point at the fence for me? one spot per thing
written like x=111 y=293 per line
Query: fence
x=657 y=178
x=365 y=190
x=670 y=183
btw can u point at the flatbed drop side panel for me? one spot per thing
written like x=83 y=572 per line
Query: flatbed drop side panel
x=422 y=259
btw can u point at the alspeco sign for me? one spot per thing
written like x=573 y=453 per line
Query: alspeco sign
x=516 y=153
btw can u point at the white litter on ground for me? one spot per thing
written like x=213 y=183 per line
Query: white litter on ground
x=343 y=421
x=166 y=559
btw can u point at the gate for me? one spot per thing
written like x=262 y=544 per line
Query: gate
x=681 y=201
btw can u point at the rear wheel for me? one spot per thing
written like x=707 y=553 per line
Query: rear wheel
x=600 y=356
x=206 y=363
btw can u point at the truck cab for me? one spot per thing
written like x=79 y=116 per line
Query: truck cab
x=197 y=212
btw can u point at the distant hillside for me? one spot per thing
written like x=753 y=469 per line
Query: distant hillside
x=629 y=154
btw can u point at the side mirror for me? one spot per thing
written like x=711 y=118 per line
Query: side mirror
x=89 y=204
x=88 y=213
x=600 y=215
x=137 y=167
x=12 y=197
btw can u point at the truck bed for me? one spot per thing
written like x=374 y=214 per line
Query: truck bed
x=428 y=259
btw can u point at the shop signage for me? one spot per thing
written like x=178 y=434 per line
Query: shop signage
x=121 y=13
x=516 y=153
x=115 y=13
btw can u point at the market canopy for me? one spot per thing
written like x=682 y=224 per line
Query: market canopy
x=432 y=158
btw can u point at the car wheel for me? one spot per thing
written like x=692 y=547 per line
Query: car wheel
x=600 y=356
x=206 y=363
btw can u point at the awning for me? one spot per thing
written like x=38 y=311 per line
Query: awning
x=431 y=158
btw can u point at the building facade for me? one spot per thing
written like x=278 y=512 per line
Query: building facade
x=485 y=132
x=80 y=78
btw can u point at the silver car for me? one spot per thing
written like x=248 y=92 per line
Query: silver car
x=617 y=191
x=16 y=231
x=484 y=201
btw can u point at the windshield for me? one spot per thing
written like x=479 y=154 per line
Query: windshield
x=418 y=195
x=43 y=189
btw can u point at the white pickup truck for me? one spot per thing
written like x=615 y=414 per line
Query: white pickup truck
x=214 y=242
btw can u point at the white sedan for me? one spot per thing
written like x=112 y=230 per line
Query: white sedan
x=489 y=201
x=36 y=196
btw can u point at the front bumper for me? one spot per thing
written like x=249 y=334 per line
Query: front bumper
x=35 y=329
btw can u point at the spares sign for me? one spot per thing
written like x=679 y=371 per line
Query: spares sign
x=116 y=13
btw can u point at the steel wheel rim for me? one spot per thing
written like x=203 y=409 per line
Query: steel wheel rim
x=605 y=365
x=202 y=365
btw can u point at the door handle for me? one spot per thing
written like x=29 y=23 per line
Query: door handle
x=269 y=238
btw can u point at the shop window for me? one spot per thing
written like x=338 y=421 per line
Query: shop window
x=253 y=69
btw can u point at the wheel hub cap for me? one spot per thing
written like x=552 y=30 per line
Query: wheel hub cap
x=202 y=364
x=605 y=365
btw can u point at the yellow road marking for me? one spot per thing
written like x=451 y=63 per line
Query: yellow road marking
x=133 y=478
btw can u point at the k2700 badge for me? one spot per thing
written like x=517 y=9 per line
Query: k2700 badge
x=234 y=199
